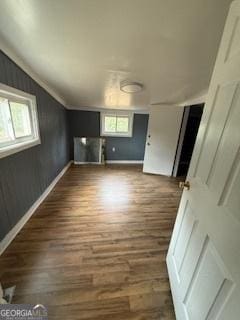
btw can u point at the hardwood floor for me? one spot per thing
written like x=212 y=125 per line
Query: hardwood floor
x=96 y=247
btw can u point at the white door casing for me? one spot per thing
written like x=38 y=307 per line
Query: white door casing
x=204 y=254
x=2 y=300
x=163 y=131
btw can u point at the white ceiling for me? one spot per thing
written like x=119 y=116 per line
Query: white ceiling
x=82 y=49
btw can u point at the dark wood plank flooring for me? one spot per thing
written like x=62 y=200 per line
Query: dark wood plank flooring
x=96 y=247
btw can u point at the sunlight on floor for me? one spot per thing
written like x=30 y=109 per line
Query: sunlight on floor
x=114 y=191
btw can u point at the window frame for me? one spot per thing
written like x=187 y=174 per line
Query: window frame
x=21 y=143
x=117 y=114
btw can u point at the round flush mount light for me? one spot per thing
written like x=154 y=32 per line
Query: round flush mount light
x=131 y=87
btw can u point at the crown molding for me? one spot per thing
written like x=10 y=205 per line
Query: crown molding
x=198 y=99
x=103 y=109
x=24 y=66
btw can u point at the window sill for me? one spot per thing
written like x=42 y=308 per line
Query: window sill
x=7 y=151
x=114 y=135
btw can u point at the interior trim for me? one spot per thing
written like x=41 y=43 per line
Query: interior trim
x=103 y=109
x=124 y=161
x=23 y=65
x=15 y=230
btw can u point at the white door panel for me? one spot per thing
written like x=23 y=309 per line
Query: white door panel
x=209 y=278
x=162 y=138
x=204 y=253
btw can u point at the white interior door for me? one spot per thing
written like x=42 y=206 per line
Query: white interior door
x=204 y=254
x=162 y=138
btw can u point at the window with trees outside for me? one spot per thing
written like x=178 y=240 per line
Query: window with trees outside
x=116 y=124
x=18 y=121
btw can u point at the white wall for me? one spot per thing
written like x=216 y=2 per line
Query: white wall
x=163 y=128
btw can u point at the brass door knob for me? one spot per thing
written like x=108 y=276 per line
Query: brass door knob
x=184 y=184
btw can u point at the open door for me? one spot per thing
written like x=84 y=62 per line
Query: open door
x=163 y=131
x=204 y=254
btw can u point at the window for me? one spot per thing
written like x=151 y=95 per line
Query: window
x=18 y=121
x=116 y=124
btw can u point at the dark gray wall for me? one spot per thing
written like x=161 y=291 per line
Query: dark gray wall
x=83 y=124
x=87 y=124
x=129 y=148
x=24 y=176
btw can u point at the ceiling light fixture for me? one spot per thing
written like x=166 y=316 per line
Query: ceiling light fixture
x=131 y=87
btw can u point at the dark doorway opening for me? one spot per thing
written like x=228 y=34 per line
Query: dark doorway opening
x=188 y=134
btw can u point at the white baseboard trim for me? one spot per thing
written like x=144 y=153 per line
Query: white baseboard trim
x=80 y=162
x=15 y=230
x=124 y=161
